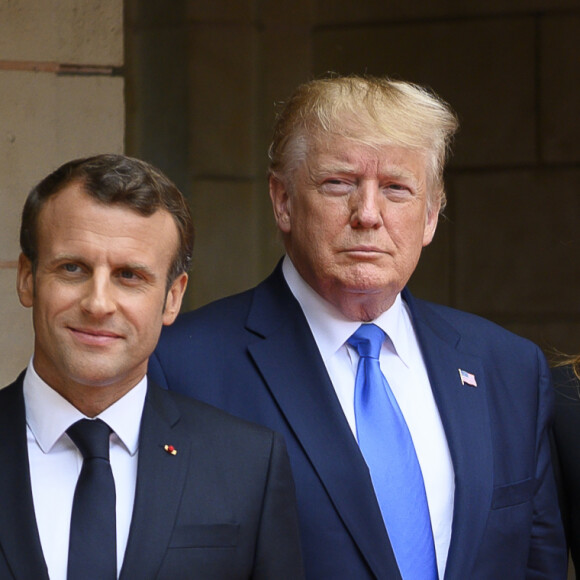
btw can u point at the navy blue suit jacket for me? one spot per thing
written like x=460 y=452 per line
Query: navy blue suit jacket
x=253 y=355
x=222 y=508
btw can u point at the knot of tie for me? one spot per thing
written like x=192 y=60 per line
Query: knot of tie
x=367 y=340
x=91 y=437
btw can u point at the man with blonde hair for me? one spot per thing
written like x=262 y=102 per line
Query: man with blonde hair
x=417 y=433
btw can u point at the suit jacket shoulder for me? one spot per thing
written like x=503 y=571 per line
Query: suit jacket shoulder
x=214 y=494
x=460 y=326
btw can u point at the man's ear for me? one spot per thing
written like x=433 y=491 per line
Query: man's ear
x=431 y=221
x=174 y=299
x=281 y=203
x=25 y=281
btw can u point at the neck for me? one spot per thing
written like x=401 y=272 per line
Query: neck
x=363 y=308
x=92 y=400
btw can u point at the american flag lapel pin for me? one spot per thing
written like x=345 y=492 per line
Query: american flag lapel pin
x=467 y=378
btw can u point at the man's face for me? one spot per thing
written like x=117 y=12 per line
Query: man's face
x=98 y=294
x=355 y=222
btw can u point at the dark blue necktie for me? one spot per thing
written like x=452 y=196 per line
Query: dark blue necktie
x=93 y=546
x=388 y=449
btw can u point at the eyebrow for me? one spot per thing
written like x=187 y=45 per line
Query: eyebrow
x=392 y=172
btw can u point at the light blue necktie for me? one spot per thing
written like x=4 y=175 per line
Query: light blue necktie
x=387 y=447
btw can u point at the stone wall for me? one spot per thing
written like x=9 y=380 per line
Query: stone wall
x=203 y=80
x=206 y=77
x=61 y=97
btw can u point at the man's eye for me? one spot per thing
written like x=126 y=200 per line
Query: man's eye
x=398 y=189
x=336 y=186
x=128 y=274
x=71 y=268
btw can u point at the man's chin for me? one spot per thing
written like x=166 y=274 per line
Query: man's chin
x=96 y=377
x=369 y=281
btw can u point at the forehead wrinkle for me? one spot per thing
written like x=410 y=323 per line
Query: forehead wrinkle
x=341 y=162
x=351 y=152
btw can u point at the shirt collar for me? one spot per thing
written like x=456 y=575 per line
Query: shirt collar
x=49 y=415
x=331 y=329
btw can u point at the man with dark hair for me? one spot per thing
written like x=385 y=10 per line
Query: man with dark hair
x=104 y=474
x=416 y=433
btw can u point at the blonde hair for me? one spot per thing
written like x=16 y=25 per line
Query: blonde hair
x=369 y=110
x=573 y=361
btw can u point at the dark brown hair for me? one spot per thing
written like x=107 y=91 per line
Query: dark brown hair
x=113 y=180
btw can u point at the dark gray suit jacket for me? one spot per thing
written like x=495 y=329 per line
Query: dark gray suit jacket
x=222 y=508
x=567 y=454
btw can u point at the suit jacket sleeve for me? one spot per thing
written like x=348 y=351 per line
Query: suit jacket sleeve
x=277 y=553
x=546 y=553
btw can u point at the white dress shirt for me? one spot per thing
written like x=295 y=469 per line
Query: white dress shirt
x=55 y=464
x=403 y=366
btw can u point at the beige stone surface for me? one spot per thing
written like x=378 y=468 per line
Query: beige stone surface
x=223 y=106
x=157 y=105
x=511 y=69
x=46 y=120
x=560 y=94
x=517 y=244
x=154 y=14
x=225 y=252
x=490 y=84
x=64 y=31
x=15 y=329
x=286 y=61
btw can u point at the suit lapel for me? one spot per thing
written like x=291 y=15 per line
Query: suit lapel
x=305 y=396
x=19 y=539
x=307 y=399
x=465 y=417
x=160 y=480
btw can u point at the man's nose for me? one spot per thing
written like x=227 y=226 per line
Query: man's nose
x=367 y=206
x=98 y=299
